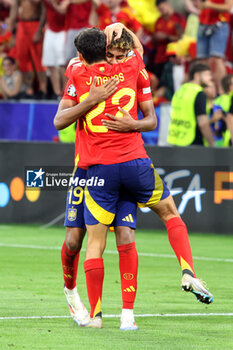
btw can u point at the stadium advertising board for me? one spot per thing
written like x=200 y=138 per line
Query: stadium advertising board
x=200 y=180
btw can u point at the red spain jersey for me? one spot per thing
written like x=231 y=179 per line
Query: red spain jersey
x=143 y=82
x=209 y=16
x=168 y=26
x=143 y=86
x=97 y=144
x=143 y=91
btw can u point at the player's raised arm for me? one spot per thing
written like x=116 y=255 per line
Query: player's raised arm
x=69 y=111
x=117 y=29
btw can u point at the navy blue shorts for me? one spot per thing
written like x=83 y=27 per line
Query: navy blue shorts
x=137 y=178
x=126 y=206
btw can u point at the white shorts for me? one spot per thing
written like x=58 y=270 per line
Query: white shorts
x=53 y=54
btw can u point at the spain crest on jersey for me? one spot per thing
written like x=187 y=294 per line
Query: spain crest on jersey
x=71 y=91
x=72 y=214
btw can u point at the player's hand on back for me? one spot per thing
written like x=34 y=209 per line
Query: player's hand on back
x=124 y=124
x=101 y=93
x=109 y=30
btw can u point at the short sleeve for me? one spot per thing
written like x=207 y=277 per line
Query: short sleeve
x=143 y=86
x=231 y=106
x=200 y=104
x=70 y=92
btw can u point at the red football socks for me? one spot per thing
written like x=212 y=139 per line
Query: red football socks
x=128 y=263
x=94 y=270
x=69 y=260
x=178 y=238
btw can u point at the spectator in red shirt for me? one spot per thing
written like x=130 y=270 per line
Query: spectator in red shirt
x=53 y=54
x=213 y=34
x=169 y=27
x=77 y=14
x=29 y=37
x=77 y=18
x=107 y=12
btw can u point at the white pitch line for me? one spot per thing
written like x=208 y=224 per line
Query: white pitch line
x=118 y=316
x=114 y=252
x=28 y=246
x=170 y=256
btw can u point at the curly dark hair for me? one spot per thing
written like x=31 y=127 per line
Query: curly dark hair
x=91 y=43
x=125 y=42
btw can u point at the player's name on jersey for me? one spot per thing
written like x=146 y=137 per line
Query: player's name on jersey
x=73 y=181
x=104 y=79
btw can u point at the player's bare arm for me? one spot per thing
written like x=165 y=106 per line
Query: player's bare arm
x=204 y=126
x=117 y=28
x=69 y=111
x=127 y=123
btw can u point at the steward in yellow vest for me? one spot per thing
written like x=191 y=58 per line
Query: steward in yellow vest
x=189 y=122
x=68 y=134
x=226 y=102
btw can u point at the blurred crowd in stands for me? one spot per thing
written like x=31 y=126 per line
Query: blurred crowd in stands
x=37 y=42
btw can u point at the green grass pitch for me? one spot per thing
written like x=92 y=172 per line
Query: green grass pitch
x=31 y=284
